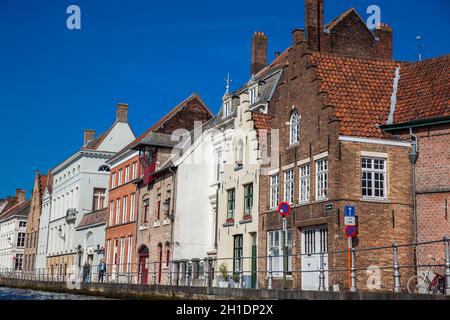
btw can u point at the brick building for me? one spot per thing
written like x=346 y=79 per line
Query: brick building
x=32 y=231
x=421 y=113
x=336 y=90
x=129 y=226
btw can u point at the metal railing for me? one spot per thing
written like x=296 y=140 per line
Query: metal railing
x=343 y=267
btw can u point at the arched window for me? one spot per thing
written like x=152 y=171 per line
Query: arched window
x=104 y=168
x=294 y=125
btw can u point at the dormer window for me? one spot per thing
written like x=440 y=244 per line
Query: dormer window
x=227 y=109
x=253 y=94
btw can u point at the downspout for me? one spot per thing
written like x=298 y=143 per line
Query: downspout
x=216 y=227
x=172 y=218
x=413 y=156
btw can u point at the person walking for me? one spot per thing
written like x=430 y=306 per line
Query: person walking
x=86 y=271
x=101 y=269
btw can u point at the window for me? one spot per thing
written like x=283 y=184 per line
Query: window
x=275 y=249
x=252 y=94
x=219 y=165
x=231 y=203
x=129 y=252
x=289 y=186
x=158 y=206
x=321 y=179
x=103 y=168
x=227 y=109
x=124 y=209
x=294 y=126
x=304 y=183
x=113 y=180
x=120 y=177
x=98 y=202
x=248 y=198
x=373 y=178
x=21 y=239
x=122 y=255
x=134 y=170
x=22 y=224
x=127 y=174
x=274 y=190
x=132 y=206
x=117 y=211
x=111 y=212
x=18 y=262
x=238 y=245
x=146 y=207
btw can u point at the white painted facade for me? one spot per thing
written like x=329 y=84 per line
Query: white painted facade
x=10 y=249
x=74 y=182
x=44 y=220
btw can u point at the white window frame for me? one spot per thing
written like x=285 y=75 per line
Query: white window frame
x=274 y=191
x=132 y=206
x=277 y=254
x=373 y=171
x=127 y=174
x=111 y=213
x=321 y=179
x=134 y=170
x=294 y=128
x=122 y=255
x=120 y=177
x=129 y=252
x=227 y=109
x=253 y=94
x=124 y=209
x=289 y=186
x=304 y=183
x=117 y=211
x=113 y=180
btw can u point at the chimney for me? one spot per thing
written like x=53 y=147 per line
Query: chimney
x=88 y=136
x=384 y=34
x=277 y=54
x=259 y=52
x=314 y=23
x=20 y=195
x=122 y=112
x=298 y=35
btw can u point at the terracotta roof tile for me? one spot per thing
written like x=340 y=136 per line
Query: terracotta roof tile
x=22 y=209
x=424 y=90
x=93 y=218
x=359 y=89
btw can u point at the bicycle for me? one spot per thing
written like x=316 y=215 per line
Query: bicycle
x=421 y=284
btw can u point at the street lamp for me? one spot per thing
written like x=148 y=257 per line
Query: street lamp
x=413 y=156
x=61 y=233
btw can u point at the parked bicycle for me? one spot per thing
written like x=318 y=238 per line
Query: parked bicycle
x=430 y=282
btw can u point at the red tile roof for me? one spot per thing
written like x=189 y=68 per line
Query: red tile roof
x=423 y=90
x=93 y=218
x=359 y=89
x=21 y=209
x=161 y=121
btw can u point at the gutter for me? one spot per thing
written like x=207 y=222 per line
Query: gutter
x=416 y=123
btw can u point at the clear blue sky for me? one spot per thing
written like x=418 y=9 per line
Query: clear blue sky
x=54 y=83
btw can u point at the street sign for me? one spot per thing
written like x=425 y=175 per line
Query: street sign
x=350 y=231
x=329 y=207
x=350 y=221
x=350 y=211
x=284 y=209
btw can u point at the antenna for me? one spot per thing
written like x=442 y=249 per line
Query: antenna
x=419 y=46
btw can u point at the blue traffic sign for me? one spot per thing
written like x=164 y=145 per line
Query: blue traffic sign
x=350 y=211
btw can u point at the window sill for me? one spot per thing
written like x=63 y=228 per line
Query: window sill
x=238 y=167
x=373 y=199
x=292 y=145
x=143 y=226
x=156 y=224
x=228 y=223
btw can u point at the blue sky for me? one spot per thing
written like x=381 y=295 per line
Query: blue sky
x=54 y=82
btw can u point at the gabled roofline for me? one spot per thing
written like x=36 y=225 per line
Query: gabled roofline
x=415 y=123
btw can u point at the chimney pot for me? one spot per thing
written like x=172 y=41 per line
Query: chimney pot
x=20 y=195
x=88 y=136
x=259 y=52
x=122 y=112
x=277 y=54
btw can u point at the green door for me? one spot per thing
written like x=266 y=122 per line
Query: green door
x=254 y=262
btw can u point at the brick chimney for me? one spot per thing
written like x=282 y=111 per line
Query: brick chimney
x=314 y=23
x=20 y=195
x=88 y=136
x=259 y=52
x=122 y=112
x=298 y=35
x=384 y=34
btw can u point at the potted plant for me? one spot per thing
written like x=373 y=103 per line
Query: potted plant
x=235 y=278
x=223 y=270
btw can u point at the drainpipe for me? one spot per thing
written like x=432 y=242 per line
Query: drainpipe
x=217 y=218
x=172 y=218
x=413 y=156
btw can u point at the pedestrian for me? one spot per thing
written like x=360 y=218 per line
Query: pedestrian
x=101 y=269
x=86 y=271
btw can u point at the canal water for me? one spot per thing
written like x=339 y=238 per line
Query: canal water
x=25 y=294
